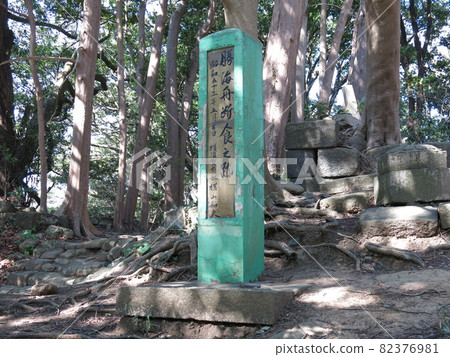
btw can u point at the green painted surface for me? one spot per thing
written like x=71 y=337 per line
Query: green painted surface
x=232 y=249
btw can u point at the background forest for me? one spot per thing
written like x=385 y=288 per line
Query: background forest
x=146 y=72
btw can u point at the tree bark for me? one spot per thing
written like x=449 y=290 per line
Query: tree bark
x=322 y=44
x=325 y=87
x=76 y=197
x=278 y=73
x=383 y=82
x=242 y=15
x=298 y=114
x=40 y=108
x=173 y=197
x=357 y=66
x=119 y=210
x=188 y=90
x=146 y=112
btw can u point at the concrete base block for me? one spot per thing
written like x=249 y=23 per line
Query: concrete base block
x=206 y=302
x=399 y=221
x=416 y=185
x=312 y=135
x=350 y=202
x=347 y=184
x=443 y=146
x=444 y=215
x=338 y=162
x=406 y=157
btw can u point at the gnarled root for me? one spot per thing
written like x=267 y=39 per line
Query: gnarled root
x=399 y=253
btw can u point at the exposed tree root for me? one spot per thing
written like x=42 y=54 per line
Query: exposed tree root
x=181 y=270
x=438 y=247
x=342 y=249
x=399 y=253
x=304 y=211
x=277 y=226
x=282 y=247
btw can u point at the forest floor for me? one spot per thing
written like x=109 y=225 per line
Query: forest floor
x=386 y=298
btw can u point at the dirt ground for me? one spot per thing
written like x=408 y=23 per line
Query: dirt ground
x=387 y=298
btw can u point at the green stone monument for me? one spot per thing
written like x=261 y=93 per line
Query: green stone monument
x=231 y=171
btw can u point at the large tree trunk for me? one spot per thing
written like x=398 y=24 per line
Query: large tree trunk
x=7 y=134
x=298 y=114
x=173 y=197
x=120 y=195
x=381 y=125
x=278 y=73
x=188 y=90
x=40 y=107
x=76 y=197
x=325 y=85
x=145 y=113
x=242 y=15
x=357 y=66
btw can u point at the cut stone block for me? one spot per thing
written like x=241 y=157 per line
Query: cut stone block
x=374 y=154
x=444 y=214
x=417 y=185
x=405 y=157
x=399 y=221
x=19 y=278
x=348 y=184
x=312 y=135
x=349 y=202
x=204 y=302
x=302 y=157
x=443 y=146
x=338 y=162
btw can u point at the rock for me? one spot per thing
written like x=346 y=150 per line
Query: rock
x=191 y=218
x=16 y=256
x=338 y=162
x=52 y=254
x=28 y=209
x=49 y=219
x=50 y=267
x=62 y=261
x=346 y=121
x=406 y=157
x=95 y=244
x=108 y=245
x=49 y=278
x=101 y=273
x=443 y=146
x=44 y=289
x=174 y=219
x=33 y=264
x=27 y=220
x=105 y=222
x=312 y=135
x=374 y=154
x=28 y=245
x=6 y=207
x=19 y=278
x=114 y=253
x=399 y=221
x=348 y=184
x=54 y=231
x=292 y=187
x=413 y=185
x=68 y=254
x=444 y=214
x=68 y=233
x=305 y=162
x=350 y=202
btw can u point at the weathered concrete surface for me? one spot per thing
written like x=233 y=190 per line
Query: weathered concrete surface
x=443 y=146
x=444 y=214
x=304 y=159
x=348 y=202
x=312 y=135
x=374 y=154
x=291 y=187
x=405 y=157
x=338 y=162
x=204 y=302
x=399 y=221
x=348 y=184
x=415 y=185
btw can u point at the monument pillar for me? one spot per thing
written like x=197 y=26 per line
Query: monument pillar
x=231 y=163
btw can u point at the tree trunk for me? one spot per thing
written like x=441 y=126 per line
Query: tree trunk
x=242 y=15
x=383 y=84
x=325 y=86
x=146 y=112
x=357 y=66
x=76 y=197
x=322 y=47
x=188 y=90
x=120 y=195
x=7 y=135
x=141 y=55
x=278 y=72
x=40 y=107
x=173 y=197
x=298 y=114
